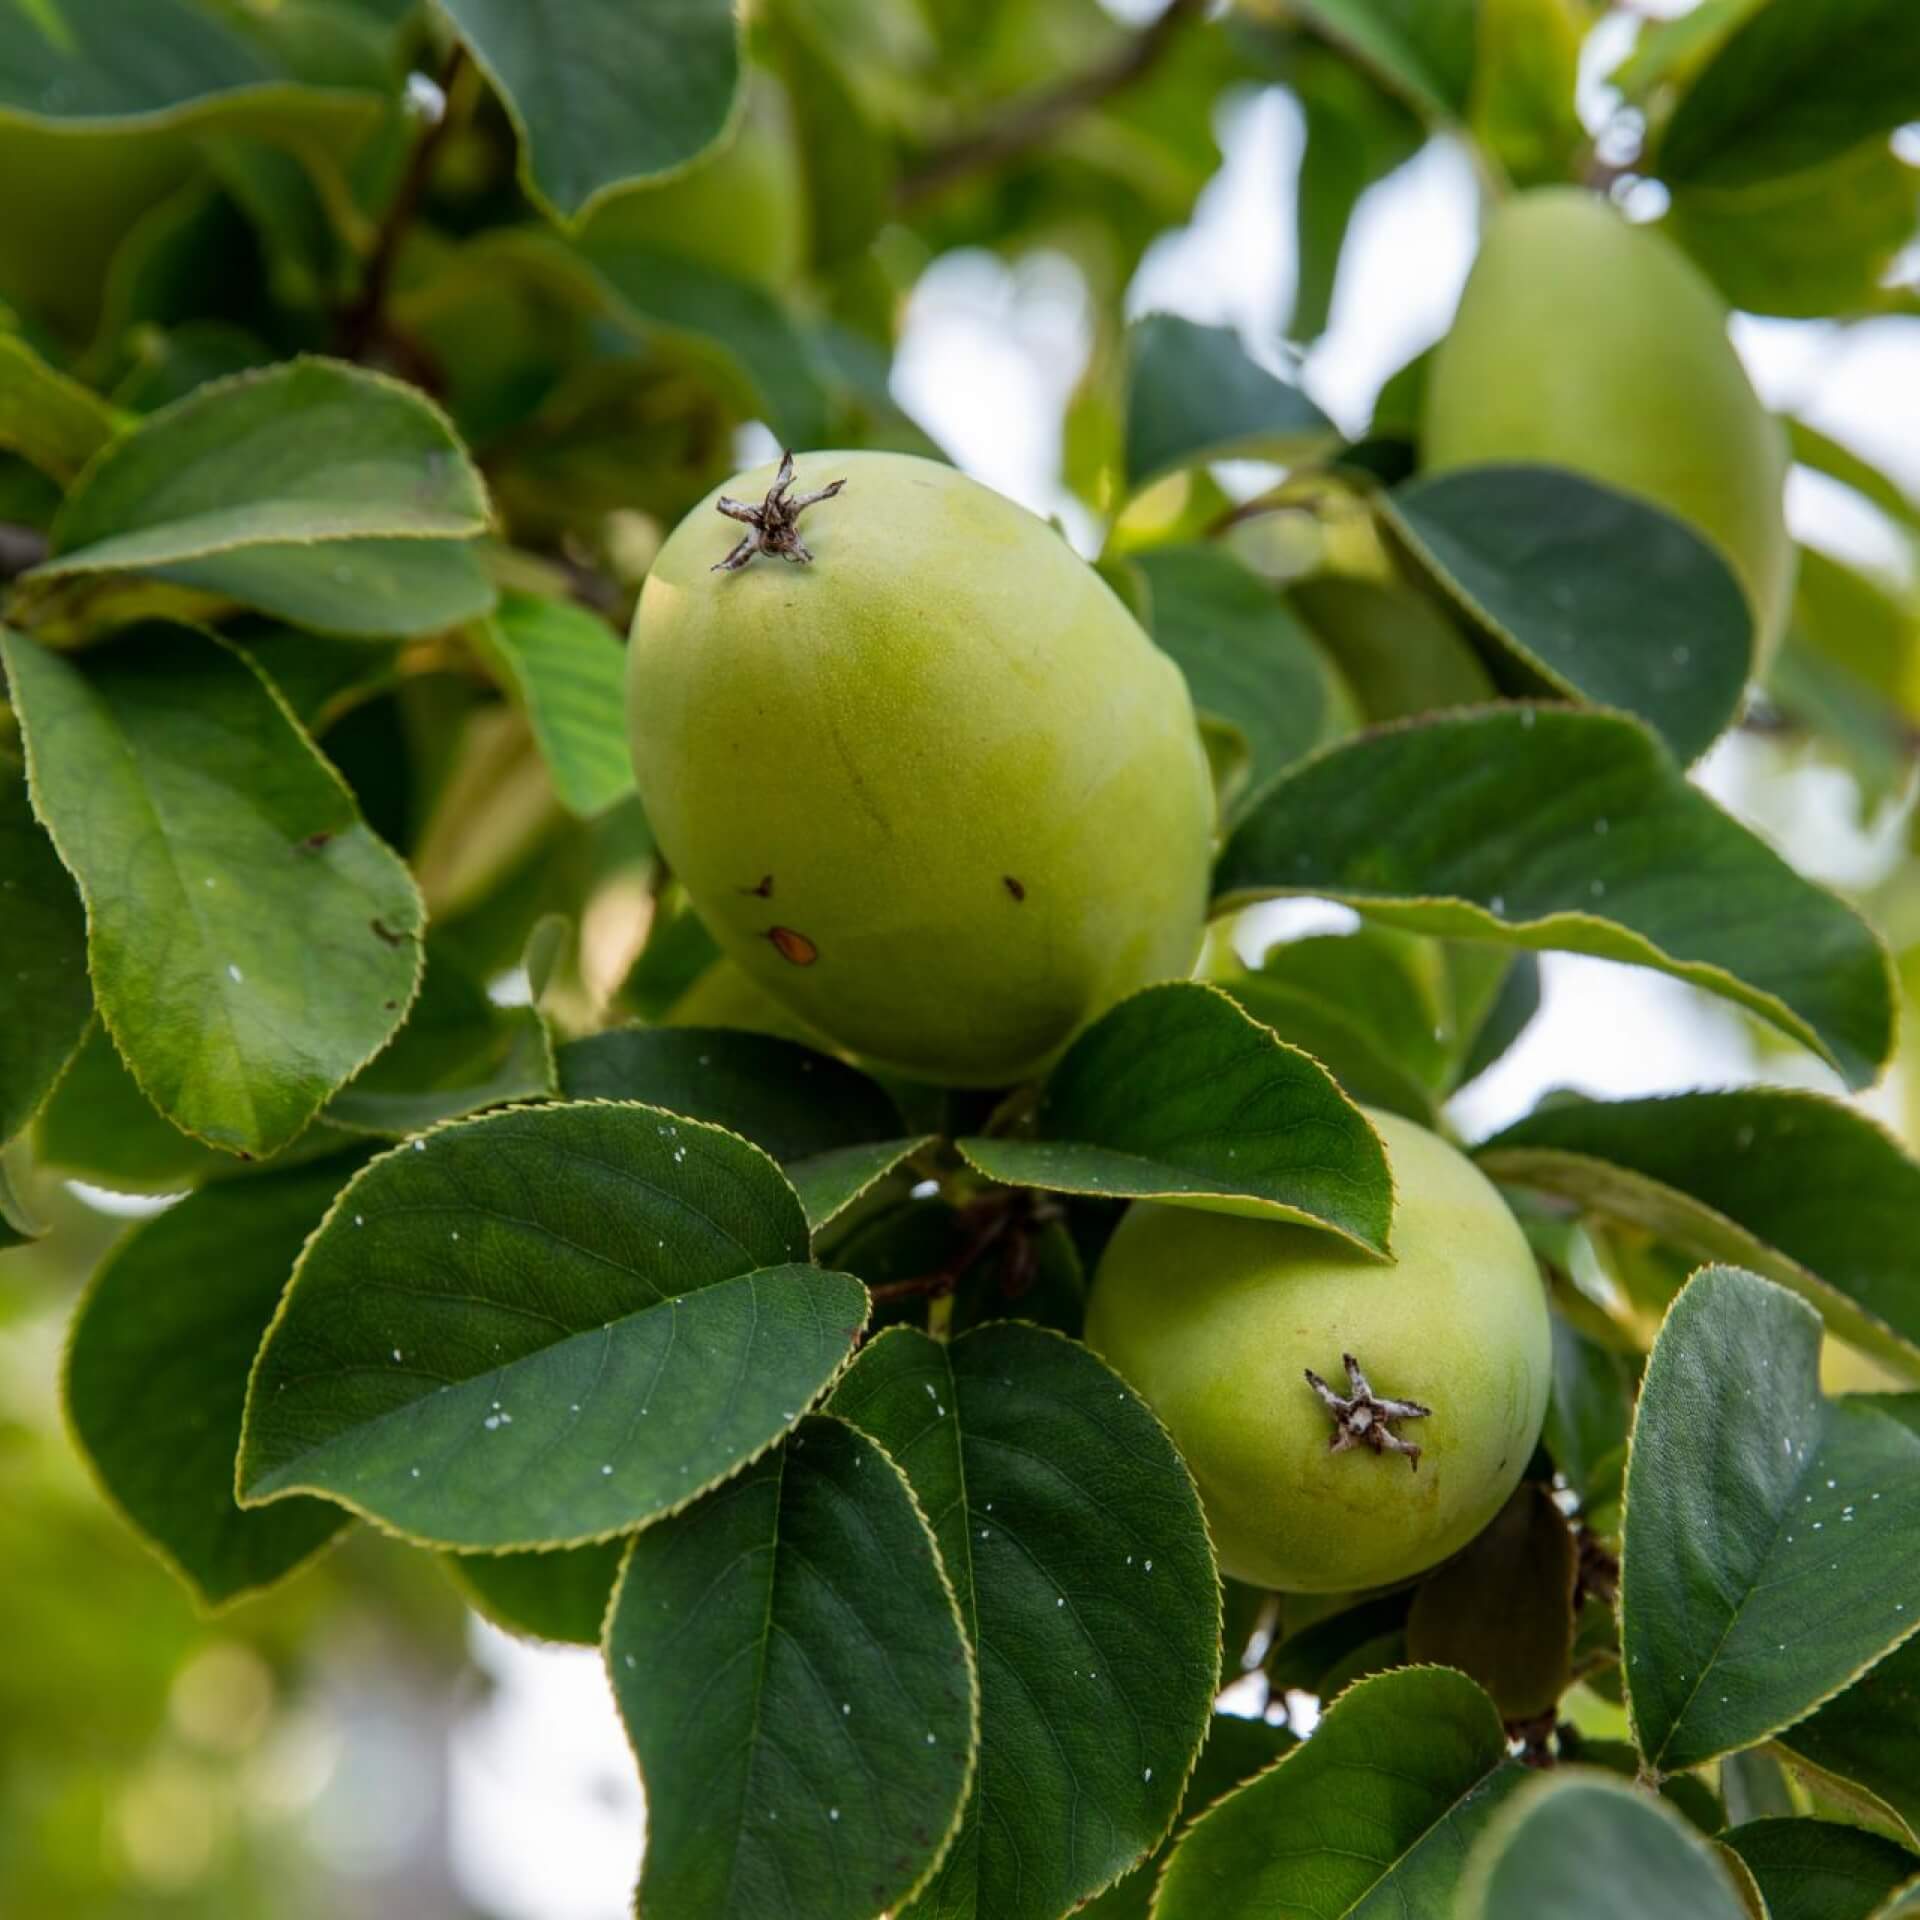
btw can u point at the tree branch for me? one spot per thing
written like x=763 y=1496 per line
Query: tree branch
x=1033 y=121
x=362 y=323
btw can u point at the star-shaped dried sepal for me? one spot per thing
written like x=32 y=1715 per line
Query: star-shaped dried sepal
x=772 y=526
x=1363 y=1418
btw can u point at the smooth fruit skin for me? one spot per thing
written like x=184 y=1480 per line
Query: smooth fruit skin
x=936 y=792
x=1214 y=1320
x=1586 y=342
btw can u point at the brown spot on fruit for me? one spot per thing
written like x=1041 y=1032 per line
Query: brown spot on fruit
x=1013 y=886
x=315 y=841
x=795 y=948
x=764 y=891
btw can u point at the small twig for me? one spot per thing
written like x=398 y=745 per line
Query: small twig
x=993 y=1217
x=21 y=548
x=361 y=324
x=1032 y=122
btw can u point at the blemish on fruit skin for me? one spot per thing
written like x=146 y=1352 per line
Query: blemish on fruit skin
x=795 y=948
x=764 y=891
x=1013 y=886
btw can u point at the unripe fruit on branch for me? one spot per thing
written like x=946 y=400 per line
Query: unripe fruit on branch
x=1585 y=342
x=932 y=788
x=1216 y=1321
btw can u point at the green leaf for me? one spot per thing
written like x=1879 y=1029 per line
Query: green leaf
x=1192 y=395
x=1177 y=1094
x=1866 y=1741
x=314 y=490
x=1245 y=655
x=1593 y=594
x=1073 y=1535
x=18 y=1225
x=1421 y=49
x=1792 y=86
x=790 y=1665
x=1767 y=1558
x=833 y=1131
x=252 y=944
x=607 y=1293
x=1588 y=1414
x=1506 y=1018
x=1378 y=1806
x=560 y=1596
x=1557 y=828
x=749 y=339
x=569 y=671
x=1356 y=133
x=45 y=998
x=55 y=422
x=1525 y=75
x=1824 y=454
x=1236 y=1750
x=1812 y=245
x=1399 y=649
x=603 y=92
x=1501 y=1611
x=1578 y=1845
x=1804 y=1191
x=1820 y=1870
x=98 y=1126
x=156 y=1377
x=456 y=1054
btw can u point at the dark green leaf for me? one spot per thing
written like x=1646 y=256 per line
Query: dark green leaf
x=1792 y=86
x=90 y=61
x=45 y=999
x=1246 y=657
x=1192 y=395
x=1507 y=1017
x=312 y=489
x=1588 y=1414
x=1378 y=1806
x=751 y=340
x=607 y=1293
x=1820 y=1870
x=1559 y=828
x=1866 y=1741
x=1585 y=1846
x=1767 y=1558
x=55 y=422
x=603 y=92
x=1399 y=650
x=1309 y=1655
x=570 y=673
x=1804 y=1190
x=1236 y=1750
x=457 y=1053
x=1422 y=49
x=791 y=1667
x=1073 y=1535
x=678 y=952
x=1356 y=133
x=832 y=1129
x=1592 y=593
x=1501 y=1611
x=1029 y=1274
x=156 y=1377
x=560 y=1596
x=1809 y=246
x=252 y=944
x=1178 y=1095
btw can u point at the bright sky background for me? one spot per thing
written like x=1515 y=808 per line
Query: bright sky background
x=547 y=1819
